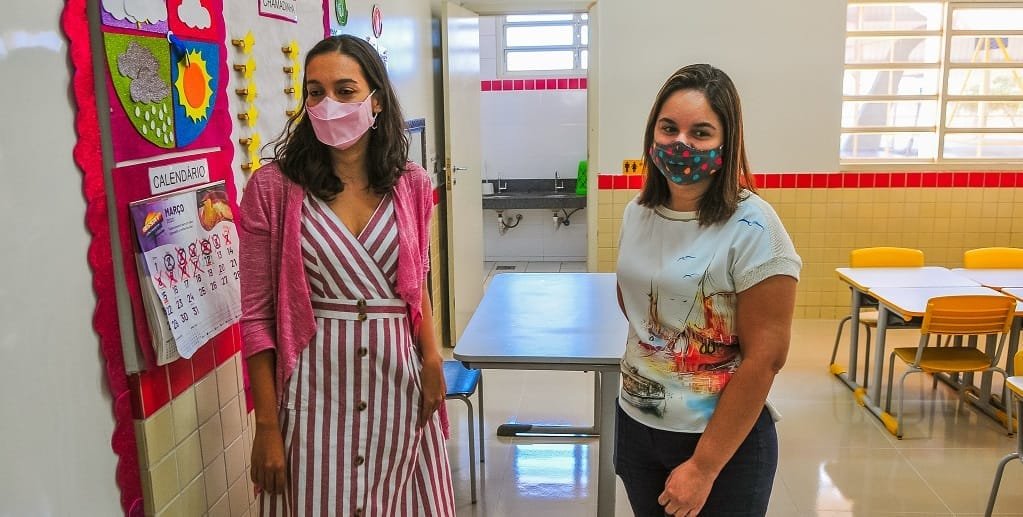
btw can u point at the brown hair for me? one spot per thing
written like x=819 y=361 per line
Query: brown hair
x=722 y=197
x=306 y=160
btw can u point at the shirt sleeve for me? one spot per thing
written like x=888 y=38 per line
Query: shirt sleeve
x=763 y=249
x=258 y=322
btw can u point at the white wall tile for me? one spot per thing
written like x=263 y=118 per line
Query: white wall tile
x=488 y=68
x=530 y=134
x=488 y=26
x=535 y=238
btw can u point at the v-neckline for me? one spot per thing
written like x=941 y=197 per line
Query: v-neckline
x=342 y=225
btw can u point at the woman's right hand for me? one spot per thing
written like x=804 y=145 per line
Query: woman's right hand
x=268 y=467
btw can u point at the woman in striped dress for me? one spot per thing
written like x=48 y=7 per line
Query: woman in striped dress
x=344 y=366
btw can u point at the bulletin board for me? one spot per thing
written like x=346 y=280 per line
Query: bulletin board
x=173 y=97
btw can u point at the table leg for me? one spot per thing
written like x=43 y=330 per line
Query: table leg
x=874 y=388
x=609 y=381
x=1017 y=324
x=854 y=333
x=849 y=377
x=573 y=431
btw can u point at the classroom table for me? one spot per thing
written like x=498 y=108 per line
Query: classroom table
x=911 y=302
x=862 y=279
x=555 y=321
x=993 y=278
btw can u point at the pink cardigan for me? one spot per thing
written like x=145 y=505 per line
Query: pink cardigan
x=276 y=308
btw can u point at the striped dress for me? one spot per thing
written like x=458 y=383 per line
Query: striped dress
x=349 y=411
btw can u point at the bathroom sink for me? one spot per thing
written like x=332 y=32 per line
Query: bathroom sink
x=533 y=199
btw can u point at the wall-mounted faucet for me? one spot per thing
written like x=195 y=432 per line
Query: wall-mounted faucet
x=503 y=225
x=558 y=183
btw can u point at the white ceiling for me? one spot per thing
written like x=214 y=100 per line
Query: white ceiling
x=525 y=6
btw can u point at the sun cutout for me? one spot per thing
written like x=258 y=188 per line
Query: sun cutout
x=193 y=85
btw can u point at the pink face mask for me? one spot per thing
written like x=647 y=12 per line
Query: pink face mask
x=341 y=124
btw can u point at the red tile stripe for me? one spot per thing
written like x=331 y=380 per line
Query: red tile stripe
x=789 y=180
x=553 y=83
x=156 y=387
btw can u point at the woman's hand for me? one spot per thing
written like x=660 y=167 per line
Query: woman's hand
x=268 y=472
x=686 y=490
x=433 y=388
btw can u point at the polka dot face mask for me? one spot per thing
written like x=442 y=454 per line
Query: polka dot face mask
x=684 y=165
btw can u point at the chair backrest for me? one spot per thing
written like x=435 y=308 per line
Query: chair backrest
x=965 y=315
x=993 y=258
x=885 y=256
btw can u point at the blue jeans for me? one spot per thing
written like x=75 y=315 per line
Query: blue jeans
x=644 y=457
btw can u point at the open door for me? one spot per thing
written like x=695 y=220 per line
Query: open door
x=460 y=63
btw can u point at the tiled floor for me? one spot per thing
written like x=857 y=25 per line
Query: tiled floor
x=836 y=459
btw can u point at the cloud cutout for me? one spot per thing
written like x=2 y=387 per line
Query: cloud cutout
x=115 y=8
x=146 y=11
x=140 y=65
x=193 y=14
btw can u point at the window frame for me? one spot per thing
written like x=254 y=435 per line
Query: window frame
x=579 y=20
x=944 y=67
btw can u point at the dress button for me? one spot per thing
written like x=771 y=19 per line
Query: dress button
x=359 y=460
x=362 y=405
x=358 y=512
x=363 y=351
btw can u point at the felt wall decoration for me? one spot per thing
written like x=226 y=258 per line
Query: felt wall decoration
x=140 y=15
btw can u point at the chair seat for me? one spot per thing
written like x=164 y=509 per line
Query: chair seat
x=1015 y=383
x=461 y=381
x=946 y=359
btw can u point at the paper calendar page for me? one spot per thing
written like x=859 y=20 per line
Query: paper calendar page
x=189 y=246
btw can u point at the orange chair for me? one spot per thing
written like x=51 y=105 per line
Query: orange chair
x=1015 y=384
x=993 y=258
x=964 y=315
x=873 y=257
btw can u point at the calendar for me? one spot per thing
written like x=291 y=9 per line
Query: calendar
x=188 y=245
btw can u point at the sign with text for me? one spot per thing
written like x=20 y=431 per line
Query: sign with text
x=281 y=9
x=165 y=178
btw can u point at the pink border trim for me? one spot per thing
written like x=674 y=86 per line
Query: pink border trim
x=88 y=157
x=798 y=180
x=514 y=85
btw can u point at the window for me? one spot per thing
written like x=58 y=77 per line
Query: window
x=933 y=82
x=544 y=44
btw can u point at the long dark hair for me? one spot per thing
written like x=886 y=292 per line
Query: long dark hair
x=306 y=160
x=722 y=197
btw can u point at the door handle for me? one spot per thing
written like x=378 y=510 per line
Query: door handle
x=457 y=168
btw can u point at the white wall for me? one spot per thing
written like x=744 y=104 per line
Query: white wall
x=407 y=39
x=785 y=56
x=525 y=135
x=56 y=419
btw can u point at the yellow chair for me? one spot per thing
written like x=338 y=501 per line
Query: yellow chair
x=1015 y=384
x=883 y=256
x=993 y=258
x=963 y=315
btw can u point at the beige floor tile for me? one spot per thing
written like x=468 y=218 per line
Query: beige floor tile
x=963 y=477
x=858 y=480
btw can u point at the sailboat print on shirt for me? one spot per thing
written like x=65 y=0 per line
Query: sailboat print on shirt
x=700 y=351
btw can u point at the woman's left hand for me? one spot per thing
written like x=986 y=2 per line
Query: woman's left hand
x=686 y=490
x=433 y=388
